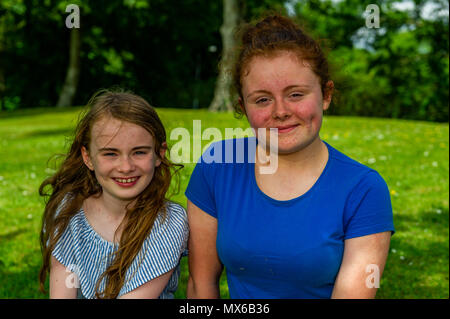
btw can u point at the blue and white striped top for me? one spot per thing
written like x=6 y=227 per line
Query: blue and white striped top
x=83 y=251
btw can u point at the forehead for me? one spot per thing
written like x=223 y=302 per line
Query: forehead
x=111 y=132
x=281 y=69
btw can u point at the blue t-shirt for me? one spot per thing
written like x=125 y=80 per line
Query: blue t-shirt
x=293 y=248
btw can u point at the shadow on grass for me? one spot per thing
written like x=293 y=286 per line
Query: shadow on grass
x=22 y=284
x=11 y=235
x=42 y=133
x=418 y=267
x=35 y=111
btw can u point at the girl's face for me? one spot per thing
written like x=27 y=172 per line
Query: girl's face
x=281 y=92
x=123 y=157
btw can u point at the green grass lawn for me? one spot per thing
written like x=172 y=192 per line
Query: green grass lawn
x=413 y=158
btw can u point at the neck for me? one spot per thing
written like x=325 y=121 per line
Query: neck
x=312 y=156
x=113 y=207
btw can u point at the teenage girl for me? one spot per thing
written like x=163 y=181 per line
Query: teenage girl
x=319 y=226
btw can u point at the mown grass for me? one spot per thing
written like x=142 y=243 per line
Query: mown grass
x=413 y=157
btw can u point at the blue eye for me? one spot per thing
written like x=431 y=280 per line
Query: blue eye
x=140 y=153
x=109 y=154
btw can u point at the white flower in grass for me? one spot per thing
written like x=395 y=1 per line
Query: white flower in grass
x=383 y=158
x=49 y=170
x=1 y=178
x=371 y=160
x=438 y=211
x=426 y=153
x=29 y=216
x=435 y=164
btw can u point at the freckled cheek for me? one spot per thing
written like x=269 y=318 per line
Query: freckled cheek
x=103 y=167
x=309 y=114
x=258 y=118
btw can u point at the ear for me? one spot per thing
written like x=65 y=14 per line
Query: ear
x=86 y=159
x=162 y=153
x=328 y=95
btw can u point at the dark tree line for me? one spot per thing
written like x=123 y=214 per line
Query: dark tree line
x=168 y=52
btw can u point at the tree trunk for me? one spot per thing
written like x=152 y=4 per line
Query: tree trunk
x=222 y=100
x=73 y=70
x=2 y=88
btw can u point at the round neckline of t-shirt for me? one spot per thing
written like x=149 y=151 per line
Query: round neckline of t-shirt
x=93 y=232
x=301 y=197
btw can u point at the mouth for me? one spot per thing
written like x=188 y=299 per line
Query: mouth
x=126 y=181
x=286 y=128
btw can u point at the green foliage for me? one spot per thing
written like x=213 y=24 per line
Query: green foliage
x=412 y=156
x=401 y=70
x=159 y=49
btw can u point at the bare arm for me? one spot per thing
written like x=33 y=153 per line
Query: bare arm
x=151 y=289
x=62 y=282
x=362 y=254
x=205 y=267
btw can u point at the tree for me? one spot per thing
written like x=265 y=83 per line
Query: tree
x=73 y=70
x=222 y=100
x=2 y=70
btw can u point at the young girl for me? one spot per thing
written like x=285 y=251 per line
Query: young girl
x=107 y=227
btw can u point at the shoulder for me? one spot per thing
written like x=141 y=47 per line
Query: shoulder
x=172 y=222
x=67 y=199
x=176 y=213
x=344 y=160
x=354 y=172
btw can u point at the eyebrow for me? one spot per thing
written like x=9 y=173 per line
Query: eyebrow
x=112 y=149
x=298 y=86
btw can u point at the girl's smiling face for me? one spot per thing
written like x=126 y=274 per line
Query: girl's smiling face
x=122 y=155
x=282 y=92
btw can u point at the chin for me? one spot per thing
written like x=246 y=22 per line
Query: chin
x=290 y=148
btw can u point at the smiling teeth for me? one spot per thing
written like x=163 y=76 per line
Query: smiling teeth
x=126 y=180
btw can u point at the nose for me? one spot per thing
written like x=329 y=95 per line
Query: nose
x=280 y=110
x=126 y=165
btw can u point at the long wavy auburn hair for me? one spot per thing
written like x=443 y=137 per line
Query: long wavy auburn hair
x=73 y=182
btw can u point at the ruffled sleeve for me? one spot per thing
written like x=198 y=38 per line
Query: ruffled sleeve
x=64 y=250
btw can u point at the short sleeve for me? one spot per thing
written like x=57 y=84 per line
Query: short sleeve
x=200 y=188
x=161 y=251
x=64 y=250
x=369 y=209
